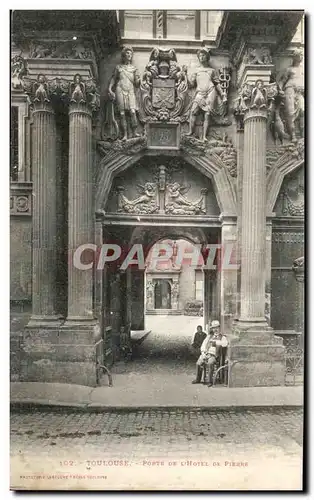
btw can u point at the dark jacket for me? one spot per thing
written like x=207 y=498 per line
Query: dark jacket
x=198 y=339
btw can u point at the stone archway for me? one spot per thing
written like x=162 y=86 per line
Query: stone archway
x=115 y=163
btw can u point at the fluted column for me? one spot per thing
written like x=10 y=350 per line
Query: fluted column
x=80 y=220
x=44 y=213
x=253 y=217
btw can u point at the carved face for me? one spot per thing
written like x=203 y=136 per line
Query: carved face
x=174 y=188
x=128 y=55
x=150 y=188
x=202 y=57
x=259 y=84
x=77 y=79
x=41 y=79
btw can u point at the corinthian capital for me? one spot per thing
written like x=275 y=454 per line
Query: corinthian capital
x=84 y=92
x=42 y=91
x=255 y=96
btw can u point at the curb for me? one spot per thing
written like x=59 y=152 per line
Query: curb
x=24 y=406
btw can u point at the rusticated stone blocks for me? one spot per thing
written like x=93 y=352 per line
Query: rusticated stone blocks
x=66 y=355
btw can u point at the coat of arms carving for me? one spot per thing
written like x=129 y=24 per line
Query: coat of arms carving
x=164 y=88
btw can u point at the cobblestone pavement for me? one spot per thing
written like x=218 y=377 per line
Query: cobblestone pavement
x=211 y=450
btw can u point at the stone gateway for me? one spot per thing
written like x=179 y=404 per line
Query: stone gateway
x=122 y=141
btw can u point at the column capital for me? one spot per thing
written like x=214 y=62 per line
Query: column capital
x=83 y=95
x=255 y=100
x=79 y=94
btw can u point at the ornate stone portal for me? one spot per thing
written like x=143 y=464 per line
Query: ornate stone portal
x=162 y=292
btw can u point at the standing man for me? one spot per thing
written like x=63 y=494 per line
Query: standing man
x=198 y=340
x=214 y=349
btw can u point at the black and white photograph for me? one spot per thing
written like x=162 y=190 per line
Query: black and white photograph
x=157 y=255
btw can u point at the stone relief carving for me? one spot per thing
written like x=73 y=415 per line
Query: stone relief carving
x=257 y=55
x=218 y=145
x=211 y=94
x=284 y=154
x=162 y=195
x=129 y=147
x=18 y=71
x=20 y=204
x=164 y=88
x=255 y=96
x=123 y=84
x=178 y=204
x=292 y=197
x=146 y=203
x=60 y=50
x=84 y=92
x=291 y=90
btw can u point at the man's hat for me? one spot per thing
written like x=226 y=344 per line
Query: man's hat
x=214 y=324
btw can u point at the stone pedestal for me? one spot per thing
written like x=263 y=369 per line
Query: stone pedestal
x=44 y=217
x=256 y=358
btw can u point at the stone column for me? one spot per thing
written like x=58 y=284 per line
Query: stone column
x=256 y=356
x=240 y=151
x=44 y=214
x=253 y=218
x=80 y=220
x=228 y=271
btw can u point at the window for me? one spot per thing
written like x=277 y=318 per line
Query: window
x=212 y=20
x=14 y=143
x=137 y=23
x=181 y=24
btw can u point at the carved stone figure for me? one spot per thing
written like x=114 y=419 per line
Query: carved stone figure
x=258 y=55
x=164 y=88
x=178 y=204
x=146 y=203
x=208 y=95
x=18 y=70
x=259 y=94
x=122 y=87
x=84 y=92
x=77 y=89
x=291 y=85
x=41 y=89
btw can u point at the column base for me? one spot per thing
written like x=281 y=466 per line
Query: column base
x=38 y=321
x=256 y=358
x=65 y=354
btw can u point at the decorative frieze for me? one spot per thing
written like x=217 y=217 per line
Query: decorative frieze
x=288 y=237
x=60 y=50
